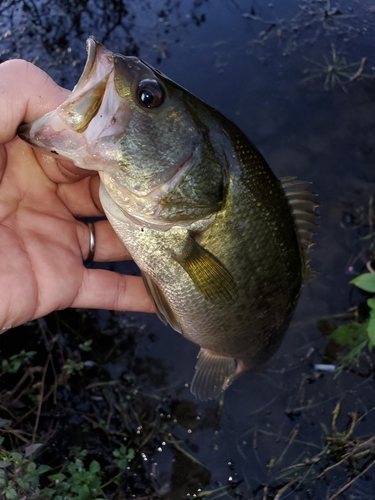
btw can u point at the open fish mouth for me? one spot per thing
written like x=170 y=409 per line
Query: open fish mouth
x=77 y=112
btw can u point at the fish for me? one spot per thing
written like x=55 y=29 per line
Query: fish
x=221 y=242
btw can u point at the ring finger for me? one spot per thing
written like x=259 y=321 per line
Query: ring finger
x=107 y=245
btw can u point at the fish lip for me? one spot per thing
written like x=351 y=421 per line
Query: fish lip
x=92 y=46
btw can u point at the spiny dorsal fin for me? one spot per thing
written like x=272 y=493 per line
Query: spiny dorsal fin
x=303 y=205
x=163 y=309
x=213 y=374
x=209 y=275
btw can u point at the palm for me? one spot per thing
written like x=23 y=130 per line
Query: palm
x=43 y=245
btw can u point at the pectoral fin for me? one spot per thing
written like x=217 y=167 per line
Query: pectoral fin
x=209 y=275
x=213 y=374
x=163 y=309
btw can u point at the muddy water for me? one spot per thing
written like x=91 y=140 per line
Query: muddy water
x=281 y=71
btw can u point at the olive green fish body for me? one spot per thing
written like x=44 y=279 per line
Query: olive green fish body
x=220 y=241
x=252 y=235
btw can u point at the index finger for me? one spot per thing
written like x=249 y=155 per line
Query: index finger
x=26 y=92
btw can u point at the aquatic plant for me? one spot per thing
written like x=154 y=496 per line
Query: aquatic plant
x=335 y=70
x=357 y=335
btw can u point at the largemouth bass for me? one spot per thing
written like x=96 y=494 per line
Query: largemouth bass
x=220 y=241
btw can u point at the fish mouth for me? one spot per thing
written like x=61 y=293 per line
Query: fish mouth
x=81 y=106
x=50 y=131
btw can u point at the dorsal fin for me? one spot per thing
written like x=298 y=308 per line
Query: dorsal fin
x=303 y=205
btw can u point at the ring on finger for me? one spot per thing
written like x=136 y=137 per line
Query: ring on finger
x=92 y=242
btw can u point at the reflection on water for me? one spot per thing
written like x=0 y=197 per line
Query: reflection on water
x=290 y=431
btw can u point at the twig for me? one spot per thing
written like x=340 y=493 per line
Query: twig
x=173 y=442
x=41 y=399
x=333 y=466
x=290 y=441
x=348 y=455
x=348 y=485
x=358 y=73
x=284 y=488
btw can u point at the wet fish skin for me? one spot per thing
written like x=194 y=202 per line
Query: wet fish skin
x=220 y=246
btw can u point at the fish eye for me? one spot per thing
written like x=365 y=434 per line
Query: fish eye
x=150 y=94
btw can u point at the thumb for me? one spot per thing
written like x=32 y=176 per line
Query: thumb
x=26 y=92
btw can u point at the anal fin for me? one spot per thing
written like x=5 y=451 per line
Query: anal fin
x=213 y=374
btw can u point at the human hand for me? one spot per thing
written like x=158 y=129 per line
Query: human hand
x=42 y=244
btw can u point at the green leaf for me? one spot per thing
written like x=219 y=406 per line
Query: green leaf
x=57 y=478
x=86 y=346
x=350 y=334
x=365 y=282
x=4 y=422
x=43 y=468
x=122 y=463
x=11 y=494
x=31 y=467
x=84 y=493
x=371 y=303
x=94 y=467
x=5 y=462
x=23 y=483
x=371 y=329
x=16 y=457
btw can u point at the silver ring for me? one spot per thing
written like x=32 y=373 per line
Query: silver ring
x=92 y=243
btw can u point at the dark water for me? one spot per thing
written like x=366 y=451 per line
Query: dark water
x=265 y=66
